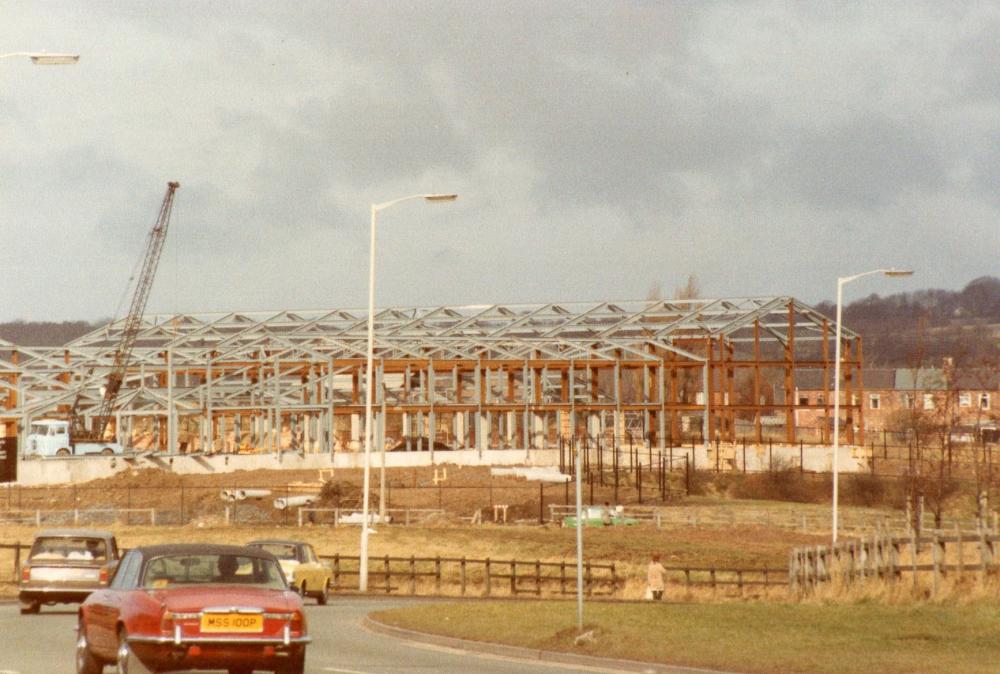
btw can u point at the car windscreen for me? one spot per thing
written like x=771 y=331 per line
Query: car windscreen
x=211 y=568
x=68 y=549
x=279 y=550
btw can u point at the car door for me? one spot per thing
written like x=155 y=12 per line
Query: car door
x=104 y=607
x=310 y=569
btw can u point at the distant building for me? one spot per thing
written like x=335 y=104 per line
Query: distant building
x=968 y=399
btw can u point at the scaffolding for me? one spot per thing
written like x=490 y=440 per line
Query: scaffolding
x=477 y=377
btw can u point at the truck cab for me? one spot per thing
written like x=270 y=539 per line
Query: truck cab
x=50 y=437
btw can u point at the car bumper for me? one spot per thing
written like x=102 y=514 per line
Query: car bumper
x=201 y=640
x=56 y=595
x=216 y=653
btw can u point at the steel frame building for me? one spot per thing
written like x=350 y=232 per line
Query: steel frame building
x=486 y=376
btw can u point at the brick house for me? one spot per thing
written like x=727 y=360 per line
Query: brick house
x=968 y=399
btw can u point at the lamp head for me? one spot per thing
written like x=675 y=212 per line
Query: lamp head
x=440 y=197
x=54 y=59
x=898 y=272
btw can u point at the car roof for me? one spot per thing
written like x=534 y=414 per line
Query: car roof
x=84 y=533
x=149 y=551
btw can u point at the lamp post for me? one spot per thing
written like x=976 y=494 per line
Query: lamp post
x=44 y=58
x=432 y=198
x=841 y=282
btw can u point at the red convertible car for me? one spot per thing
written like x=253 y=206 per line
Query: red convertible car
x=194 y=606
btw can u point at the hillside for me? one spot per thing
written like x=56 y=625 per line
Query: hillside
x=45 y=333
x=924 y=326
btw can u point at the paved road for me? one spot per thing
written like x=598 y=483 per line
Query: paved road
x=43 y=644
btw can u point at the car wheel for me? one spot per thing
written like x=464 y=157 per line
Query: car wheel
x=86 y=663
x=296 y=664
x=30 y=607
x=63 y=452
x=323 y=596
x=127 y=662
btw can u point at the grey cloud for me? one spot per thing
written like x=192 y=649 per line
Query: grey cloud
x=866 y=164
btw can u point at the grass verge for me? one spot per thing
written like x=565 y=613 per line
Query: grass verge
x=752 y=637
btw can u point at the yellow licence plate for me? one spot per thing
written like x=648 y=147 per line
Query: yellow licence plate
x=232 y=622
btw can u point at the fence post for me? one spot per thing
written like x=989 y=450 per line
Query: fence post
x=792 y=571
x=17 y=562
x=437 y=574
x=413 y=575
x=614 y=457
x=961 y=552
x=486 y=588
x=541 y=502
x=461 y=574
x=985 y=558
x=336 y=571
x=587 y=580
x=935 y=557
x=562 y=577
x=513 y=578
x=538 y=578
x=614 y=579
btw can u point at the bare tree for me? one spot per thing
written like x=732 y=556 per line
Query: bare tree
x=690 y=290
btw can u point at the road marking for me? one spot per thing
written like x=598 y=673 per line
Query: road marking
x=554 y=664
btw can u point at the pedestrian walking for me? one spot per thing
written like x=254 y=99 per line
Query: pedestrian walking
x=655 y=578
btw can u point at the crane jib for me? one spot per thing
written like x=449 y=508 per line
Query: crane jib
x=130 y=330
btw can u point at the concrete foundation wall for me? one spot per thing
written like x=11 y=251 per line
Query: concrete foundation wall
x=81 y=469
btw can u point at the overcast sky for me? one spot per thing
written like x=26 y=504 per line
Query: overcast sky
x=599 y=149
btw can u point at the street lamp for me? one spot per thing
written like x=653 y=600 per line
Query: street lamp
x=841 y=282
x=44 y=58
x=432 y=198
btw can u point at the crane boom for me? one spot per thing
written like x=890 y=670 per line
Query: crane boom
x=130 y=331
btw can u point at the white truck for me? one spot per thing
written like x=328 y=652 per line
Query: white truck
x=50 y=437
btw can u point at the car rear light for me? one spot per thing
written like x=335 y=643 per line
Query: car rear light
x=297 y=624
x=167 y=622
x=26 y=573
x=103 y=577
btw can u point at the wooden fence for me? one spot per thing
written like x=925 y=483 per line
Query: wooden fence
x=795 y=518
x=955 y=555
x=350 y=516
x=463 y=576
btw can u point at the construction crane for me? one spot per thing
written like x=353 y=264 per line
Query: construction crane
x=157 y=235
